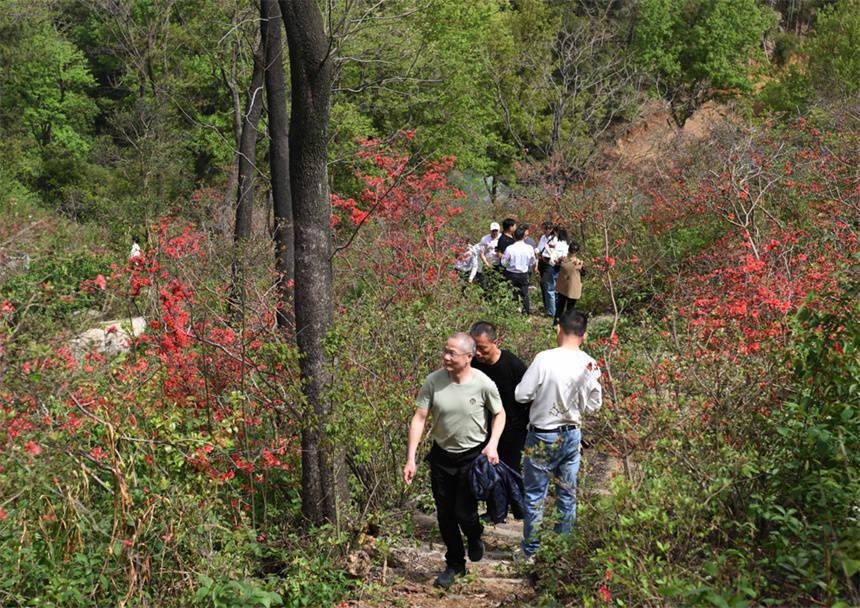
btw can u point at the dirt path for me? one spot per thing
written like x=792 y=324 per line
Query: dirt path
x=406 y=578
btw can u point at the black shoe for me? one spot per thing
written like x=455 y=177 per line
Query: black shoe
x=476 y=550
x=446 y=578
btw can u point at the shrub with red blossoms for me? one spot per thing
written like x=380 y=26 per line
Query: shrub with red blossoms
x=399 y=218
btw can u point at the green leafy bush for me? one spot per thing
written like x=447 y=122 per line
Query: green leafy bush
x=51 y=288
x=808 y=509
x=828 y=68
x=695 y=47
x=785 y=47
x=238 y=594
x=834 y=50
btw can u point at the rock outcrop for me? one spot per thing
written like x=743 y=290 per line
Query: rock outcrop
x=111 y=338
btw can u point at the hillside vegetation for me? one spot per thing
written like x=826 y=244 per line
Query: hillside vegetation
x=704 y=153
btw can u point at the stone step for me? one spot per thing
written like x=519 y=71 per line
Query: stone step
x=497 y=580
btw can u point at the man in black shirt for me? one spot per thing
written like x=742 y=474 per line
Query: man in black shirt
x=506 y=370
x=508 y=227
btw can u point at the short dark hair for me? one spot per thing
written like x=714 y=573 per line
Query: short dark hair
x=574 y=322
x=547 y=224
x=135 y=239
x=483 y=328
x=508 y=223
x=520 y=233
x=573 y=246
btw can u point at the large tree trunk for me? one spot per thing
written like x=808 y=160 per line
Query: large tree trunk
x=248 y=150
x=279 y=156
x=311 y=68
x=230 y=192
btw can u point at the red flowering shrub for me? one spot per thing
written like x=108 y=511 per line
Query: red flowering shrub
x=397 y=221
x=190 y=413
x=702 y=382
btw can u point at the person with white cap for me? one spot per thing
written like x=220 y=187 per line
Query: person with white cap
x=488 y=245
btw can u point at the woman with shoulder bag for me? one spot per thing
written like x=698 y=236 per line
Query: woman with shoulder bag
x=568 y=288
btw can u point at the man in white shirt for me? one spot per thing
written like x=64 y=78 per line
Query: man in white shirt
x=488 y=245
x=544 y=247
x=562 y=384
x=518 y=261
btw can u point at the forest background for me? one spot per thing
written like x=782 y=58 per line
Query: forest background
x=722 y=280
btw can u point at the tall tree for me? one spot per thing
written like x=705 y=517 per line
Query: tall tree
x=311 y=71
x=564 y=78
x=247 y=154
x=278 y=154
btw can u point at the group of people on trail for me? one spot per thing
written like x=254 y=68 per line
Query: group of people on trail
x=510 y=253
x=487 y=407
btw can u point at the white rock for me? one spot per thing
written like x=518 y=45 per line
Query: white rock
x=110 y=339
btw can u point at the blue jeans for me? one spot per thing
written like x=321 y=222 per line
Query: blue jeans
x=548 y=279
x=550 y=456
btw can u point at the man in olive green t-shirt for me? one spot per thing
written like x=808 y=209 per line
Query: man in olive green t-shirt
x=461 y=401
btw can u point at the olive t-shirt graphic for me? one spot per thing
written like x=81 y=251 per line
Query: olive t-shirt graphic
x=459 y=411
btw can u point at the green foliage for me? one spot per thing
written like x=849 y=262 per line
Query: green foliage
x=532 y=28
x=238 y=594
x=785 y=48
x=45 y=90
x=13 y=193
x=808 y=508
x=114 y=115
x=791 y=93
x=51 y=288
x=694 y=48
x=432 y=76
x=47 y=109
x=311 y=576
x=834 y=50
x=828 y=69
x=562 y=76
x=459 y=121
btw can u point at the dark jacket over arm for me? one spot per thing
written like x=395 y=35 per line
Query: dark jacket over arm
x=499 y=485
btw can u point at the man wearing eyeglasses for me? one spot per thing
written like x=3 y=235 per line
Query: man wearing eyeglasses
x=462 y=401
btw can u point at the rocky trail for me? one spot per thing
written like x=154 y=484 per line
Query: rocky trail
x=406 y=576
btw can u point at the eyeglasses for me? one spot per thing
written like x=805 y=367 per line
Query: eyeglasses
x=451 y=353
